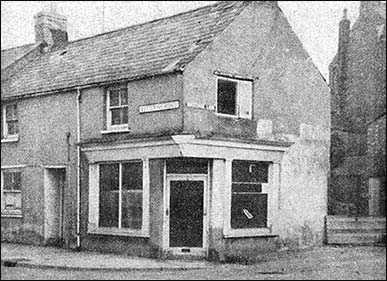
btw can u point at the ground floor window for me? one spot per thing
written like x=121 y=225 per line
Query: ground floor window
x=118 y=197
x=11 y=192
x=248 y=202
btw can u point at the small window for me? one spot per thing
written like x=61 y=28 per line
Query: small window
x=11 y=197
x=121 y=195
x=117 y=108
x=234 y=98
x=9 y=122
x=248 y=202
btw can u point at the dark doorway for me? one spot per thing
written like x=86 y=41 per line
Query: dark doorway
x=186 y=214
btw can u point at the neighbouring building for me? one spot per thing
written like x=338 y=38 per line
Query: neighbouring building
x=206 y=133
x=358 y=84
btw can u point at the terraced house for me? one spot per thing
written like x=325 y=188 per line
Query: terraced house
x=202 y=134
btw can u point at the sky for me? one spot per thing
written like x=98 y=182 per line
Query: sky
x=315 y=22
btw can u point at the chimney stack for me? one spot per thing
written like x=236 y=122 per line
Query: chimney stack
x=344 y=31
x=50 y=29
x=342 y=63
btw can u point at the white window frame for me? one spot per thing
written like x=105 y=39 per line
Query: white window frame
x=109 y=126
x=10 y=213
x=238 y=114
x=271 y=189
x=93 y=224
x=6 y=136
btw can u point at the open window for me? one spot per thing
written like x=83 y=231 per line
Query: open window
x=234 y=98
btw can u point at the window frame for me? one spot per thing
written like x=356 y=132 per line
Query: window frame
x=237 y=97
x=94 y=189
x=109 y=125
x=6 y=137
x=11 y=213
x=271 y=189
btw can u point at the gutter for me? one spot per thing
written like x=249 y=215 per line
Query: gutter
x=79 y=100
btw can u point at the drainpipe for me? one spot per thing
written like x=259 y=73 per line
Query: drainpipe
x=79 y=99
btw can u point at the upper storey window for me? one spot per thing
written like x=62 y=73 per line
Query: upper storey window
x=9 y=122
x=117 y=108
x=234 y=98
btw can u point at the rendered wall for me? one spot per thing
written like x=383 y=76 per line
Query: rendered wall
x=143 y=92
x=44 y=123
x=291 y=93
x=289 y=89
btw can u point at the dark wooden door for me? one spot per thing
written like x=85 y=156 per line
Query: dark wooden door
x=186 y=214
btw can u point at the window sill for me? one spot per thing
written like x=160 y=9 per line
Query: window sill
x=246 y=233
x=10 y=139
x=16 y=215
x=115 y=131
x=236 y=117
x=117 y=232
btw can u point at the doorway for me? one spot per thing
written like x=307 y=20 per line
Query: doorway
x=186 y=214
x=54 y=183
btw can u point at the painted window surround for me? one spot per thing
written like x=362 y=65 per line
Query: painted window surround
x=272 y=188
x=93 y=223
x=4 y=213
x=6 y=138
x=111 y=129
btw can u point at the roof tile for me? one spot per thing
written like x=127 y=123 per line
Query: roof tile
x=148 y=49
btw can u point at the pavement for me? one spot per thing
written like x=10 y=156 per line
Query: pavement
x=57 y=258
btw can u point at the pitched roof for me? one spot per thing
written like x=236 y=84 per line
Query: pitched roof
x=11 y=55
x=153 y=48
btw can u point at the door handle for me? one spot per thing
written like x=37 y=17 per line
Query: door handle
x=167 y=212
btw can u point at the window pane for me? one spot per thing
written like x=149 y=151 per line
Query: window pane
x=248 y=211
x=114 y=98
x=108 y=197
x=132 y=210
x=12 y=201
x=250 y=171
x=16 y=181
x=227 y=97
x=109 y=176
x=12 y=127
x=8 y=182
x=124 y=97
x=132 y=176
x=124 y=117
x=116 y=116
x=108 y=208
x=11 y=112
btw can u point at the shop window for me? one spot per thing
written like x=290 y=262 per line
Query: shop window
x=121 y=195
x=11 y=193
x=248 y=202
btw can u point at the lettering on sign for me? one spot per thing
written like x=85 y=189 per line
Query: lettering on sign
x=159 y=107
